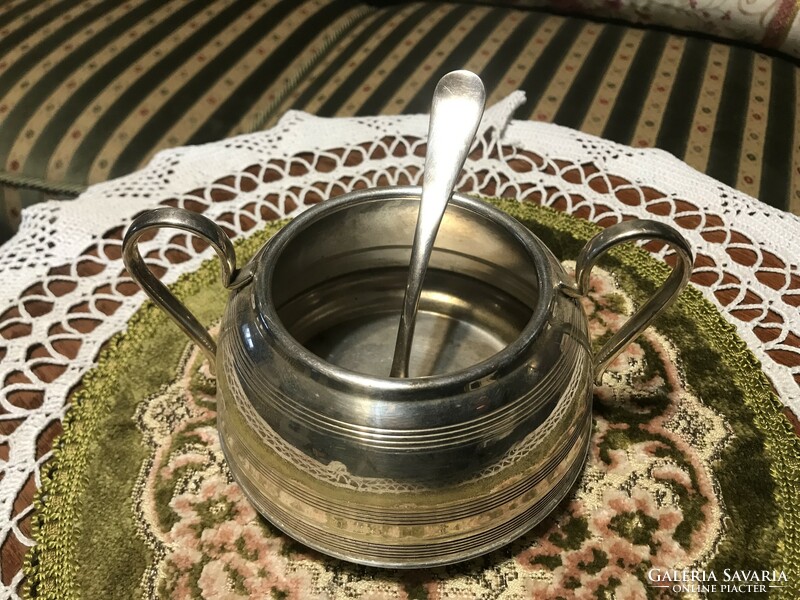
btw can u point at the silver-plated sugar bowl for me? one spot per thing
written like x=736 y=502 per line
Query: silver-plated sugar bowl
x=481 y=441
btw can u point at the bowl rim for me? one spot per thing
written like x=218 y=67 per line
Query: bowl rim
x=465 y=379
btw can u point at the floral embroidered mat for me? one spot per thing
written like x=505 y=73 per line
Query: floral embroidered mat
x=693 y=468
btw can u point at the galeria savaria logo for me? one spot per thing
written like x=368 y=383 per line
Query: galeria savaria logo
x=730 y=581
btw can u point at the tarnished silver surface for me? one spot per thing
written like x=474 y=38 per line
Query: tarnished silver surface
x=631 y=231
x=461 y=322
x=477 y=446
x=176 y=218
x=456 y=111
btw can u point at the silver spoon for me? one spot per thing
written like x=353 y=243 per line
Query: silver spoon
x=456 y=111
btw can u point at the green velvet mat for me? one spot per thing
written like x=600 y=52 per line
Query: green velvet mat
x=692 y=465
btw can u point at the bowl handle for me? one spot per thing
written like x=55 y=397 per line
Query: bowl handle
x=629 y=231
x=185 y=220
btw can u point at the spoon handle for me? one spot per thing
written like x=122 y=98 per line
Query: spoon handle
x=455 y=114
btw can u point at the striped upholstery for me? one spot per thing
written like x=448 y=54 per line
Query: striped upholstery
x=91 y=89
x=728 y=111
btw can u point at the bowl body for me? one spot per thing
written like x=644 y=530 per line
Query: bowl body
x=476 y=447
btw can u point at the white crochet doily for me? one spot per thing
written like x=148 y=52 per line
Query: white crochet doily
x=63 y=294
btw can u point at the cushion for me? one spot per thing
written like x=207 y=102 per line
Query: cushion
x=93 y=88
x=765 y=23
x=727 y=110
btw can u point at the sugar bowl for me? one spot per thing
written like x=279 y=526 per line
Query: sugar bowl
x=486 y=434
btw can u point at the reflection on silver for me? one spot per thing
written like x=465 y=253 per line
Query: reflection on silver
x=473 y=449
x=456 y=111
